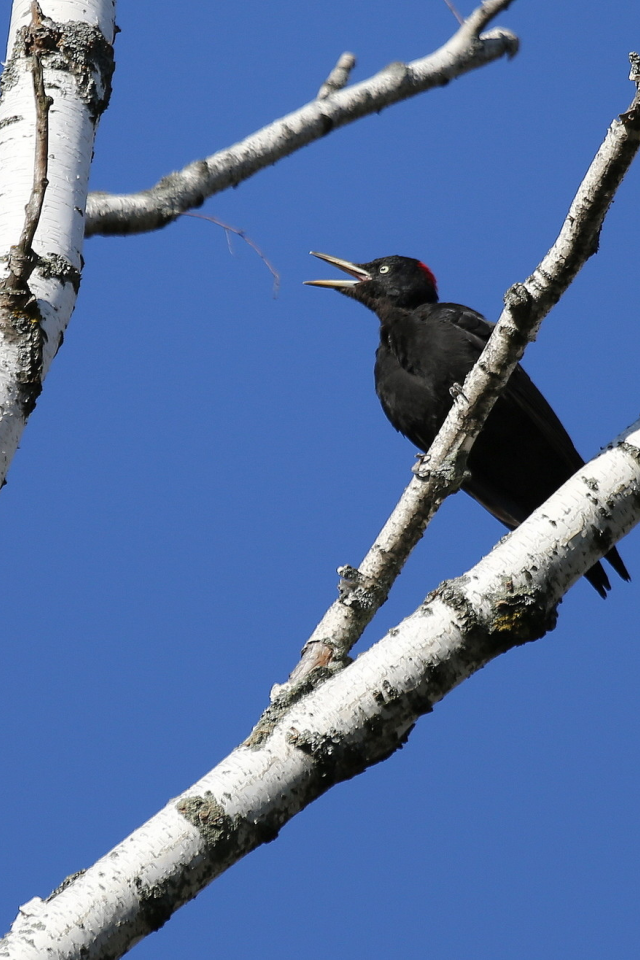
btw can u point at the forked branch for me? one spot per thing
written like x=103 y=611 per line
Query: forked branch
x=441 y=471
x=333 y=107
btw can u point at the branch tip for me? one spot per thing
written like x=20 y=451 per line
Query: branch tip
x=466 y=50
x=442 y=470
x=228 y=229
x=483 y=15
x=459 y=18
x=339 y=76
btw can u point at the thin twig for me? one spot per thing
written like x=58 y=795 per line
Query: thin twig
x=482 y=16
x=22 y=260
x=454 y=11
x=339 y=76
x=365 y=589
x=151 y=209
x=228 y=229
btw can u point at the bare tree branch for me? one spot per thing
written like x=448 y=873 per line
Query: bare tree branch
x=21 y=257
x=304 y=744
x=442 y=470
x=339 y=76
x=20 y=318
x=41 y=272
x=458 y=17
x=357 y=718
x=319 y=733
x=151 y=209
x=243 y=236
x=21 y=327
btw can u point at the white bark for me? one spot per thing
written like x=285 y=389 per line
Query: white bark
x=26 y=351
x=355 y=719
x=150 y=209
x=79 y=94
x=441 y=471
x=339 y=76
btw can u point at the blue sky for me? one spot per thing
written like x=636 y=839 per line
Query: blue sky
x=204 y=456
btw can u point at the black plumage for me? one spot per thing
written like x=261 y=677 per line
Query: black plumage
x=523 y=453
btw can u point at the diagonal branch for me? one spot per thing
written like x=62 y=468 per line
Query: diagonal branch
x=339 y=76
x=354 y=720
x=154 y=208
x=228 y=229
x=458 y=17
x=441 y=471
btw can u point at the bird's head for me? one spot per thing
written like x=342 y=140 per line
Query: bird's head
x=398 y=281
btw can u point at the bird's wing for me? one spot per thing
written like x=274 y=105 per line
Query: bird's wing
x=476 y=328
x=521 y=389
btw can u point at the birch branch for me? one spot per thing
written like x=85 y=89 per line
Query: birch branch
x=339 y=76
x=357 y=718
x=228 y=229
x=41 y=217
x=364 y=590
x=80 y=71
x=151 y=209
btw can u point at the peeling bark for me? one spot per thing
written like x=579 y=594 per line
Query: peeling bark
x=40 y=250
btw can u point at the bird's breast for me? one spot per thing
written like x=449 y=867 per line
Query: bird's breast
x=415 y=404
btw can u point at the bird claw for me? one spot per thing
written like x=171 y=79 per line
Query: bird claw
x=420 y=468
x=456 y=391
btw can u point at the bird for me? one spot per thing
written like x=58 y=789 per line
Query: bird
x=427 y=347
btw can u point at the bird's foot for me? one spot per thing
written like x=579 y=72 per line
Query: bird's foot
x=456 y=391
x=420 y=468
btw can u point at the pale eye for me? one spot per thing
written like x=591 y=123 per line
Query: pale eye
x=384 y=269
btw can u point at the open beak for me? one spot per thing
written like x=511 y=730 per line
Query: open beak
x=353 y=269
